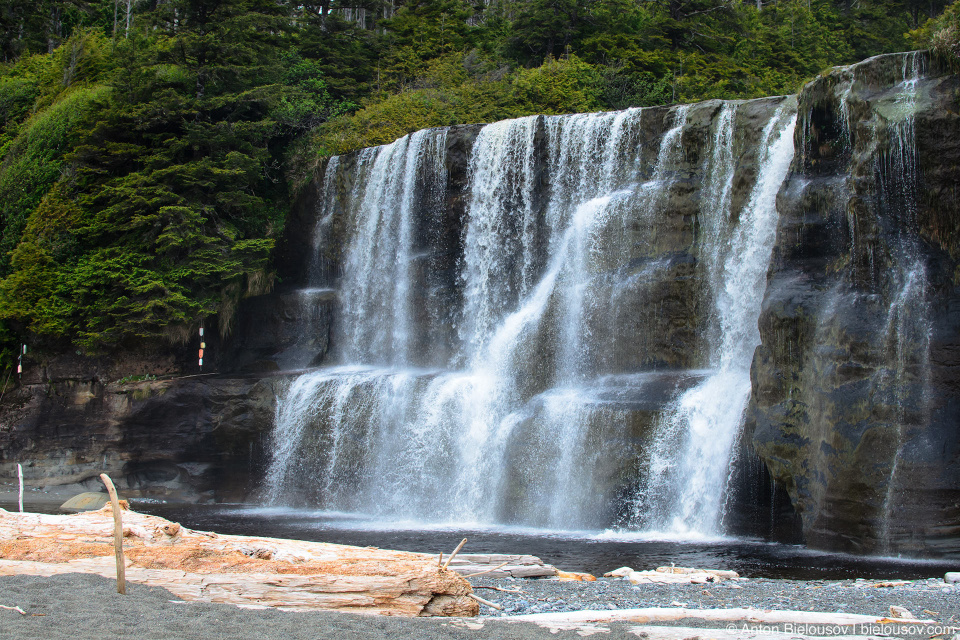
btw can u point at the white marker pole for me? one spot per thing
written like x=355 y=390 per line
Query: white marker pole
x=20 y=475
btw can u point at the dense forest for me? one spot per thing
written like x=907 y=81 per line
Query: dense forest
x=150 y=148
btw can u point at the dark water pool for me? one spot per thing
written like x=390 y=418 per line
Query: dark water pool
x=574 y=551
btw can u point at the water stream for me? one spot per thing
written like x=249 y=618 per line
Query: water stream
x=686 y=485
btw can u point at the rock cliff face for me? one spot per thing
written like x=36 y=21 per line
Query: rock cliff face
x=855 y=386
x=194 y=438
x=850 y=438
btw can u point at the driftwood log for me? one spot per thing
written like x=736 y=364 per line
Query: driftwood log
x=672 y=614
x=241 y=570
x=739 y=632
x=499 y=565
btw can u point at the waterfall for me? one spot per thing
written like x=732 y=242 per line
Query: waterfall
x=685 y=487
x=574 y=278
x=378 y=268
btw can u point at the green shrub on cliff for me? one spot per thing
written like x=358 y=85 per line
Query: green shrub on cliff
x=942 y=34
x=568 y=85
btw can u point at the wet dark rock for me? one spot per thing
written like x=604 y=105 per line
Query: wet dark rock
x=189 y=439
x=854 y=409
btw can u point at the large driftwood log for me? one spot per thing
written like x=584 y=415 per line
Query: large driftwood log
x=241 y=570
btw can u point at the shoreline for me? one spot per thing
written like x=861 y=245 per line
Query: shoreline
x=750 y=557
x=82 y=607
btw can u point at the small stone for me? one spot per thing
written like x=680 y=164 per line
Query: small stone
x=899 y=612
x=951 y=577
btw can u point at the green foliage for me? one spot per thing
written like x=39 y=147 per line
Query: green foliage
x=558 y=86
x=34 y=160
x=308 y=103
x=144 y=377
x=423 y=30
x=142 y=200
x=941 y=34
x=146 y=159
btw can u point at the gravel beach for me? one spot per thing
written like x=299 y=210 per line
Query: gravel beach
x=84 y=607
x=847 y=596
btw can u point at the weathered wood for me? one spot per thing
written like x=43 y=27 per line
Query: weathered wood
x=481 y=586
x=86 y=501
x=650 y=632
x=454 y=554
x=240 y=570
x=483 y=573
x=499 y=565
x=576 y=576
x=486 y=602
x=673 y=575
x=117 y=533
x=671 y=614
x=17 y=609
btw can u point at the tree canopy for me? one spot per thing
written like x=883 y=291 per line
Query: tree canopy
x=149 y=147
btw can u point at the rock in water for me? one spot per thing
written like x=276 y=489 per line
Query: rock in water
x=87 y=501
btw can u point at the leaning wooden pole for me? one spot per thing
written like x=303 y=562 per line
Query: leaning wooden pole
x=117 y=533
x=454 y=554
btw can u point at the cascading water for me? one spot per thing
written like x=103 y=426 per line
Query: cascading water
x=685 y=487
x=379 y=265
x=568 y=275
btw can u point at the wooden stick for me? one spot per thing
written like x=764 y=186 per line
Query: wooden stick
x=480 y=573
x=454 y=554
x=117 y=534
x=486 y=602
x=20 y=476
x=670 y=614
x=440 y=561
x=17 y=609
x=480 y=586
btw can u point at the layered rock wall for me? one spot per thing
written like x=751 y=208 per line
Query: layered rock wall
x=855 y=387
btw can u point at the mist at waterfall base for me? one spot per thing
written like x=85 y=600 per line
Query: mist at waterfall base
x=571 y=551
